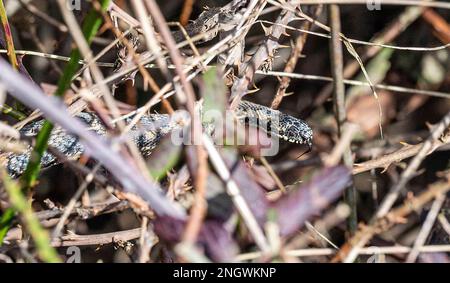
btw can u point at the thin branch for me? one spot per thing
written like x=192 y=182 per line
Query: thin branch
x=42 y=15
x=97 y=239
x=357 y=83
x=234 y=192
x=337 y=62
x=188 y=101
x=71 y=205
x=8 y=37
x=186 y=12
x=350 y=250
x=408 y=173
x=426 y=228
x=388 y=34
x=398 y=155
x=421 y=3
x=125 y=172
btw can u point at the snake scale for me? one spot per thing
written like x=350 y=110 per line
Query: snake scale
x=147 y=133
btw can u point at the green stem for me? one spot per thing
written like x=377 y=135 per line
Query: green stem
x=5 y=222
x=40 y=236
x=8 y=37
x=8 y=110
x=90 y=28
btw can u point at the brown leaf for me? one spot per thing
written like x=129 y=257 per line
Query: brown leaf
x=364 y=111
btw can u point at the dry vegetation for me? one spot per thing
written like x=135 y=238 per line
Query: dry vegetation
x=373 y=84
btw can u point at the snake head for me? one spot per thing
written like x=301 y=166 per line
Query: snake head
x=276 y=123
x=293 y=130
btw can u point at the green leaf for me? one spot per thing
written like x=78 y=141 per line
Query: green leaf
x=213 y=91
x=164 y=158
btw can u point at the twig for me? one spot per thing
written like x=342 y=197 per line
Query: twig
x=38 y=13
x=444 y=223
x=392 y=88
x=398 y=155
x=337 y=62
x=188 y=101
x=273 y=174
x=421 y=3
x=90 y=28
x=30 y=175
x=43 y=48
x=86 y=52
x=86 y=212
x=156 y=49
x=144 y=250
x=426 y=228
x=330 y=220
x=238 y=200
x=351 y=50
x=389 y=33
x=150 y=37
x=48 y=218
x=186 y=12
x=73 y=201
x=365 y=251
x=350 y=250
x=371 y=250
x=339 y=150
x=165 y=33
x=32 y=96
x=408 y=173
x=439 y=24
x=97 y=239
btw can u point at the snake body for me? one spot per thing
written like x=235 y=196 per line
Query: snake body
x=147 y=133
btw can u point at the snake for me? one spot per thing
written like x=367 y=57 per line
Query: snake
x=151 y=128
